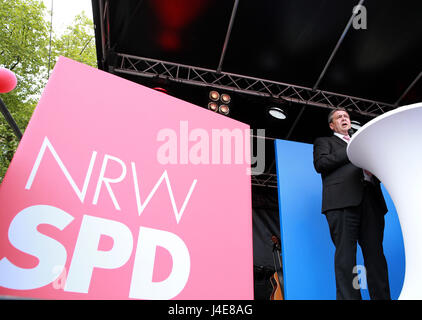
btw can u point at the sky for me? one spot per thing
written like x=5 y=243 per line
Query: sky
x=64 y=12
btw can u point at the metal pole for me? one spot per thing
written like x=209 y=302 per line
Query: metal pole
x=336 y=48
x=229 y=30
x=10 y=119
x=295 y=122
x=49 y=50
x=408 y=89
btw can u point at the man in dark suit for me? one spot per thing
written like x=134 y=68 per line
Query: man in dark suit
x=354 y=206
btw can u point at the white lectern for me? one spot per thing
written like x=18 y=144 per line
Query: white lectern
x=390 y=146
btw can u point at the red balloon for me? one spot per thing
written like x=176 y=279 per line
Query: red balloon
x=8 y=80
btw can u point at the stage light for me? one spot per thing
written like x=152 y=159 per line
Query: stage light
x=160 y=89
x=219 y=102
x=356 y=124
x=214 y=95
x=224 y=109
x=277 y=112
x=213 y=106
x=225 y=98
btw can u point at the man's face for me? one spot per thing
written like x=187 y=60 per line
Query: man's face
x=341 y=122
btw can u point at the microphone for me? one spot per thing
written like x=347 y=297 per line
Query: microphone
x=350 y=132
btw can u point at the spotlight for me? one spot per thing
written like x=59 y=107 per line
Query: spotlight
x=225 y=98
x=219 y=102
x=356 y=124
x=160 y=89
x=214 y=95
x=224 y=109
x=277 y=112
x=213 y=106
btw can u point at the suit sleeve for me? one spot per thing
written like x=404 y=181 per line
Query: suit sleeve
x=325 y=159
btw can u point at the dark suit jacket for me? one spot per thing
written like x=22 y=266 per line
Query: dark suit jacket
x=342 y=182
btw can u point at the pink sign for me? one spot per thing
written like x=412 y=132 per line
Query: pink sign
x=118 y=191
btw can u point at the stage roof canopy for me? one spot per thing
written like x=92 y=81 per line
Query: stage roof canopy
x=305 y=56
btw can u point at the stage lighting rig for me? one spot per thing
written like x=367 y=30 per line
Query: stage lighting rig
x=219 y=102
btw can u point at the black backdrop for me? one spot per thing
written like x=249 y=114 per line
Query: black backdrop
x=277 y=40
x=265 y=217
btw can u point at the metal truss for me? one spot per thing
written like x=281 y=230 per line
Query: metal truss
x=264 y=180
x=146 y=67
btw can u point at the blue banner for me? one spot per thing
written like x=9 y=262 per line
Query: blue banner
x=307 y=249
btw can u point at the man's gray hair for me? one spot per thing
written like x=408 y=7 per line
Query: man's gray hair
x=331 y=114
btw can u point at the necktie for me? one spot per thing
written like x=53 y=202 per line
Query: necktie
x=346 y=138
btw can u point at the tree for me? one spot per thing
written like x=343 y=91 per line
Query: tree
x=25 y=49
x=24 y=40
x=23 y=32
x=77 y=42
